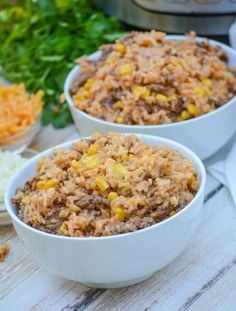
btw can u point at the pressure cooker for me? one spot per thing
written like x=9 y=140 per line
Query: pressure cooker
x=206 y=17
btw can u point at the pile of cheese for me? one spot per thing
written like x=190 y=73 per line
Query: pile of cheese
x=10 y=162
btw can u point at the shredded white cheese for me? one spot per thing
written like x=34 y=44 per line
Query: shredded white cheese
x=10 y=162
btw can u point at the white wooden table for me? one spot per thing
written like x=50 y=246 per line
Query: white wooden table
x=202 y=278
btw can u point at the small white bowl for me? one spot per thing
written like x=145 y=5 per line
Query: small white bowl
x=114 y=261
x=204 y=135
x=22 y=139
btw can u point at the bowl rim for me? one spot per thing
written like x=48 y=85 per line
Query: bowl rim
x=129 y=127
x=181 y=148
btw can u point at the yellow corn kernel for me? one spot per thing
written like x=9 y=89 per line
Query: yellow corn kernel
x=199 y=91
x=109 y=61
x=79 y=97
x=173 y=97
x=63 y=228
x=120 y=48
x=194 y=185
x=89 y=83
x=46 y=184
x=192 y=182
x=175 y=63
x=26 y=199
x=119 y=212
x=119 y=168
x=93 y=149
x=130 y=156
x=75 y=164
x=184 y=115
x=91 y=161
x=172 y=213
x=41 y=184
x=74 y=208
x=142 y=91
x=167 y=169
x=119 y=119
x=112 y=195
x=51 y=184
x=101 y=183
x=118 y=104
x=192 y=109
x=162 y=98
x=126 y=187
x=86 y=94
x=138 y=90
x=146 y=93
x=125 y=69
x=207 y=82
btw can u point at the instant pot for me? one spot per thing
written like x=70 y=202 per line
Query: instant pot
x=206 y=17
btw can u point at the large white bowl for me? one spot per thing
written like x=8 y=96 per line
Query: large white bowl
x=204 y=135
x=114 y=261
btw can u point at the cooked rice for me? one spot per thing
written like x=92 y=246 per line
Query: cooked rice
x=106 y=185
x=146 y=79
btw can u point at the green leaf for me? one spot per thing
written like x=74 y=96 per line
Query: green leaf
x=114 y=36
x=52 y=58
x=62 y=3
x=39 y=41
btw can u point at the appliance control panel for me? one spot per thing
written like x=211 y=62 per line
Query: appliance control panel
x=189 y=6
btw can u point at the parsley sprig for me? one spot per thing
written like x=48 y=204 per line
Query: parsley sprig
x=39 y=41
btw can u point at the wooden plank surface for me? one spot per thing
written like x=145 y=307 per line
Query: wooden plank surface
x=202 y=278
x=183 y=282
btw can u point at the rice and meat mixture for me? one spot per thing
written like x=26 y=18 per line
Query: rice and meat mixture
x=146 y=79
x=106 y=185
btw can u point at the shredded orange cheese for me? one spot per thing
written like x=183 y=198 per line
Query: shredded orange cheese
x=18 y=109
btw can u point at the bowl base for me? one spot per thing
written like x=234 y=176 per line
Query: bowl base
x=119 y=284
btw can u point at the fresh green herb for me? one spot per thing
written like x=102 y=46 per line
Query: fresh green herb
x=39 y=41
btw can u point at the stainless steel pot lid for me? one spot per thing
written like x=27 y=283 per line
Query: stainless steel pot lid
x=171 y=21
x=188 y=6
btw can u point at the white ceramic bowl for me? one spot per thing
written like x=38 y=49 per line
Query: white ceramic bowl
x=204 y=135
x=118 y=260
